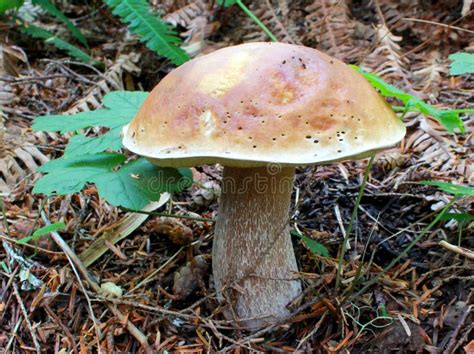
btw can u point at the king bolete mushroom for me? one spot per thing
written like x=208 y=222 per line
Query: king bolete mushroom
x=260 y=109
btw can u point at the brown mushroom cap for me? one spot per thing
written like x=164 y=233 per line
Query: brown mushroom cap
x=260 y=103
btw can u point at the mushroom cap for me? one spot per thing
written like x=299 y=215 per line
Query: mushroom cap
x=259 y=103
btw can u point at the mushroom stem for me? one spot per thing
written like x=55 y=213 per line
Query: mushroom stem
x=253 y=257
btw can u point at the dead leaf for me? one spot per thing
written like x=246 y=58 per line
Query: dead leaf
x=171 y=228
x=190 y=277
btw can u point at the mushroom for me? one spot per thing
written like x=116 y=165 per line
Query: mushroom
x=260 y=109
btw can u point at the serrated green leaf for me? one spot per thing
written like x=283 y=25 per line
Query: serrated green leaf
x=462 y=63
x=67 y=176
x=455 y=189
x=133 y=185
x=120 y=108
x=82 y=145
x=448 y=118
x=157 y=35
x=313 y=245
x=139 y=182
x=102 y=161
x=54 y=11
x=51 y=38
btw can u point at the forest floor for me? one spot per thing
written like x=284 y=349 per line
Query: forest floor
x=162 y=265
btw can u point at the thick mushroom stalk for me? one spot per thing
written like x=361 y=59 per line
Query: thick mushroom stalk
x=253 y=258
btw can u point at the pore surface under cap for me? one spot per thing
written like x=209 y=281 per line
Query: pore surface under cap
x=256 y=103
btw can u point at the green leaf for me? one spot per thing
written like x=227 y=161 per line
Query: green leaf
x=313 y=245
x=133 y=185
x=120 y=108
x=448 y=118
x=463 y=63
x=158 y=35
x=5 y=267
x=9 y=4
x=49 y=228
x=458 y=216
x=455 y=189
x=139 y=182
x=67 y=176
x=226 y=3
x=82 y=145
x=51 y=38
x=54 y=11
x=42 y=231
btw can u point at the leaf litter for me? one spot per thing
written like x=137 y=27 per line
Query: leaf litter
x=158 y=290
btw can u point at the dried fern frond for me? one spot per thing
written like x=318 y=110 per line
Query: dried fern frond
x=112 y=80
x=391 y=13
x=272 y=16
x=437 y=149
x=331 y=28
x=20 y=158
x=428 y=74
x=387 y=60
x=195 y=17
x=185 y=15
x=10 y=55
x=436 y=29
x=7 y=96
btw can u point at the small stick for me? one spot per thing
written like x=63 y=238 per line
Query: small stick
x=456 y=249
x=76 y=263
x=437 y=24
x=13 y=335
x=27 y=319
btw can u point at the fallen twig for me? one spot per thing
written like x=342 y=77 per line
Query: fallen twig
x=456 y=249
x=27 y=319
x=76 y=262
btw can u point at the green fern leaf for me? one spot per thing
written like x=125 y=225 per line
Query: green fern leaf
x=54 y=11
x=51 y=38
x=155 y=33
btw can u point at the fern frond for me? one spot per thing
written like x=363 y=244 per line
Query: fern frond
x=112 y=80
x=155 y=33
x=331 y=27
x=51 y=38
x=428 y=73
x=54 y=11
x=387 y=60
